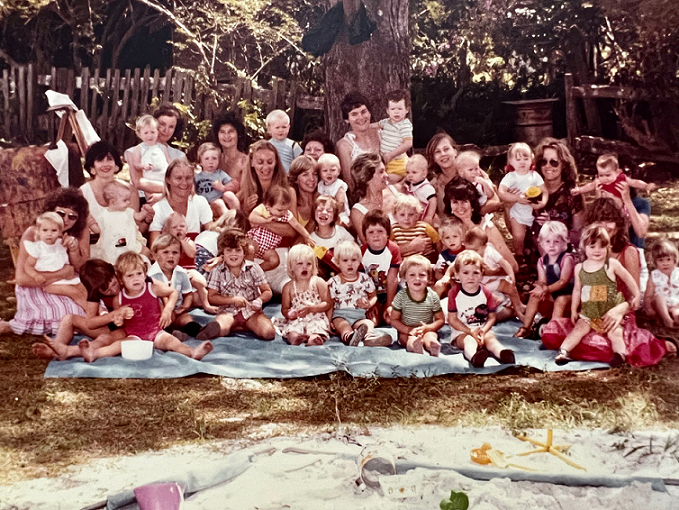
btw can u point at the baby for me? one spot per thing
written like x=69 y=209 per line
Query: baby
x=153 y=156
x=452 y=235
x=396 y=135
x=609 y=174
x=418 y=185
x=330 y=184
x=467 y=165
x=278 y=126
x=214 y=184
x=409 y=233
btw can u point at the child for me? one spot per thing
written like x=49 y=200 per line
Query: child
x=153 y=155
x=412 y=235
x=166 y=269
x=597 y=290
x=328 y=233
x=396 y=135
x=214 y=184
x=381 y=260
x=416 y=310
x=452 y=234
x=239 y=288
x=467 y=165
x=329 y=183
x=512 y=191
x=151 y=316
x=472 y=313
x=118 y=223
x=305 y=302
x=555 y=275
x=662 y=292
x=477 y=240
x=278 y=126
x=207 y=254
x=609 y=174
x=353 y=294
x=46 y=254
x=418 y=185
x=175 y=225
x=276 y=207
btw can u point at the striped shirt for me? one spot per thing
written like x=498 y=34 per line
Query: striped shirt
x=394 y=133
x=401 y=235
x=414 y=313
x=245 y=285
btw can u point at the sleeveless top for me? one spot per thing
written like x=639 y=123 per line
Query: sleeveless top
x=144 y=323
x=356 y=151
x=599 y=293
x=553 y=273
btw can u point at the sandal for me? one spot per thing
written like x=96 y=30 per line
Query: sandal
x=358 y=335
x=563 y=357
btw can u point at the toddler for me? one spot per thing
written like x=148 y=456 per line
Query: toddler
x=207 y=254
x=410 y=233
x=151 y=316
x=396 y=134
x=118 y=223
x=214 y=184
x=328 y=233
x=305 y=302
x=353 y=294
x=555 y=275
x=419 y=186
x=154 y=157
x=416 y=310
x=472 y=313
x=276 y=207
x=47 y=254
x=662 y=292
x=329 y=183
x=239 y=288
x=609 y=174
x=467 y=165
x=452 y=235
x=512 y=192
x=278 y=126
x=596 y=289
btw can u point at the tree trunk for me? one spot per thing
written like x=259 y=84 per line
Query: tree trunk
x=373 y=67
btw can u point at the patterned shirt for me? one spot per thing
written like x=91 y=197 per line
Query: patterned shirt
x=414 y=313
x=377 y=264
x=423 y=191
x=245 y=285
x=204 y=182
x=403 y=235
x=346 y=294
x=394 y=133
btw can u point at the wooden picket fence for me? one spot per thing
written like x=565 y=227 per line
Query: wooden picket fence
x=113 y=98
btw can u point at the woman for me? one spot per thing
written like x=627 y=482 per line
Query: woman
x=371 y=191
x=643 y=348
x=170 y=125
x=303 y=179
x=39 y=313
x=361 y=138
x=441 y=154
x=180 y=196
x=228 y=131
x=317 y=143
x=462 y=201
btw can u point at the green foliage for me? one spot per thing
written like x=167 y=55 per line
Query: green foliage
x=456 y=501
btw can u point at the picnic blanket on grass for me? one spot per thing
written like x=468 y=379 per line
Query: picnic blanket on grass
x=241 y=355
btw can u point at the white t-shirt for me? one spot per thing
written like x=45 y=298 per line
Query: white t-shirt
x=50 y=258
x=198 y=213
x=180 y=280
x=523 y=213
x=347 y=294
x=119 y=233
x=340 y=234
x=332 y=190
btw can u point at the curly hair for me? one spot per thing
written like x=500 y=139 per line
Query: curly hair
x=230 y=118
x=70 y=198
x=362 y=171
x=607 y=210
x=98 y=152
x=461 y=189
x=319 y=136
x=351 y=101
x=569 y=170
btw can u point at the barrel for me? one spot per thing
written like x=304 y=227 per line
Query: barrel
x=532 y=120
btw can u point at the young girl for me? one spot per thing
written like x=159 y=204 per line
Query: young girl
x=596 y=289
x=555 y=275
x=215 y=184
x=150 y=317
x=46 y=254
x=416 y=310
x=467 y=165
x=452 y=234
x=472 y=313
x=512 y=192
x=175 y=225
x=330 y=184
x=276 y=207
x=328 y=233
x=412 y=235
x=305 y=302
x=353 y=294
x=662 y=292
x=153 y=155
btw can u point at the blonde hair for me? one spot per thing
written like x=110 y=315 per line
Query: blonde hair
x=407 y=202
x=553 y=228
x=607 y=162
x=50 y=217
x=466 y=258
x=127 y=262
x=328 y=159
x=174 y=166
x=111 y=190
x=322 y=200
x=415 y=158
x=594 y=233
x=664 y=248
x=468 y=155
x=452 y=223
x=170 y=222
x=164 y=241
x=414 y=261
x=299 y=253
x=519 y=148
x=346 y=249
x=275 y=115
x=475 y=234
x=207 y=147
x=143 y=121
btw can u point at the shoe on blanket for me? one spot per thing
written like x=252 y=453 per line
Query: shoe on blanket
x=617 y=360
x=563 y=357
x=210 y=331
x=507 y=357
x=358 y=335
x=479 y=358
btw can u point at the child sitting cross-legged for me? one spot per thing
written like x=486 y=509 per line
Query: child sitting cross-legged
x=413 y=236
x=662 y=291
x=472 y=313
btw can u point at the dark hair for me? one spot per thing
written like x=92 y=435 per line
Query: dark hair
x=319 y=136
x=606 y=209
x=461 y=189
x=362 y=171
x=170 y=110
x=376 y=217
x=98 y=151
x=231 y=238
x=73 y=199
x=569 y=170
x=431 y=148
x=277 y=195
x=352 y=101
x=95 y=275
x=398 y=95
x=231 y=119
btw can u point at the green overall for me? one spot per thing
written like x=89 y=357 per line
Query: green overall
x=598 y=294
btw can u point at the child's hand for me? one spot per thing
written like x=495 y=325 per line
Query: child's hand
x=165 y=319
x=363 y=303
x=575 y=191
x=292 y=315
x=218 y=186
x=148 y=212
x=635 y=302
x=256 y=304
x=148 y=166
x=419 y=331
x=522 y=199
x=651 y=187
x=309 y=241
x=239 y=302
x=212 y=263
x=574 y=317
x=477 y=334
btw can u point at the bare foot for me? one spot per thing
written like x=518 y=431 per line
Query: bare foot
x=58 y=348
x=5 y=329
x=671 y=348
x=415 y=345
x=315 y=340
x=43 y=351
x=211 y=309
x=202 y=350
x=434 y=348
x=86 y=350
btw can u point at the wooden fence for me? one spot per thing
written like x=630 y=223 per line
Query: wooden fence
x=112 y=98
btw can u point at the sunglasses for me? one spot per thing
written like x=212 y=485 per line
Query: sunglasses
x=71 y=216
x=552 y=162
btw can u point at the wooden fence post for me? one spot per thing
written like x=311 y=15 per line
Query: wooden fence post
x=571 y=111
x=84 y=89
x=30 y=102
x=96 y=92
x=5 y=104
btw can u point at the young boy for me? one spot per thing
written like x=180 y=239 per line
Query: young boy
x=239 y=288
x=409 y=233
x=381 y=260
x=452 y=234
x=396 y=134
x=419 y=186
x=609 y=174
x=467 y=165
x=214 y=184
x=278 y=126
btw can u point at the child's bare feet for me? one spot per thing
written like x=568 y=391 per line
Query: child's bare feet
x=5 y=328
x=59 y=349
x=200 y=351
x=86 y=350
x=434 y=348
x=43 y=351
x=315 y=340
x=374 y=340
x=414 y=344
x=211 y=309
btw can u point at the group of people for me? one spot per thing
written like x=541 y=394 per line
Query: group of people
x=352 y=236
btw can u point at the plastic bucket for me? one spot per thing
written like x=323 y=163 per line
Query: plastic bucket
x=136 y=350
x=160 y=496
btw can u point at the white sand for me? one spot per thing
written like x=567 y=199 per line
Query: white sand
x=278 y=480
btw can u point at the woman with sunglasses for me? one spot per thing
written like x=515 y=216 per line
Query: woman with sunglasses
x=39 y=313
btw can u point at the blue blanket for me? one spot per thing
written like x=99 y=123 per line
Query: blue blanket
x=243 y=356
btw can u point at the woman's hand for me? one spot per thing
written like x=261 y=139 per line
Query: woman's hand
x=250 y=203
x=69 y=242
x=542 y=218
x=149 y=213
x=613 y=318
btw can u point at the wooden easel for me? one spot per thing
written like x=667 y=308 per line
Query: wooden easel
x=68 y=127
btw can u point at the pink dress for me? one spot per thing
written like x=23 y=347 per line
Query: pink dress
x=146 y=306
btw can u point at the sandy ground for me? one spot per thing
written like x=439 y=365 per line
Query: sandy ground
x=327 y=476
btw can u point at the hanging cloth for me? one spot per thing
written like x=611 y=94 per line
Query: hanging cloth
x=361 y=27
x=319 y=40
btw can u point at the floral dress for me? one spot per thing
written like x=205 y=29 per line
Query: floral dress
x=312 y=324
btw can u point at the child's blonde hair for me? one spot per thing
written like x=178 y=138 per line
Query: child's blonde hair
x=468 y=156
x=407 y=202
x=300 y=253
x=414 y=261
x=468 y=257
x=664 y=248
x=275 y=115
x=346 y=249
x=475 y=234
x=129 y=261
x=452 y=223
x=322 y=200
x=277 y=195
x=171 y=221
x=519 y=148
x=607 y=162
x=165 y=241
x=111 y=190
x=553 y=229
x=50 y=217
x=145 y=120
x=594 y=233
x=328 y=159
x=206 y=147
x=417 y=158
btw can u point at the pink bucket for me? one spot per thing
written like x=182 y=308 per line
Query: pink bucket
x=159 y=496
